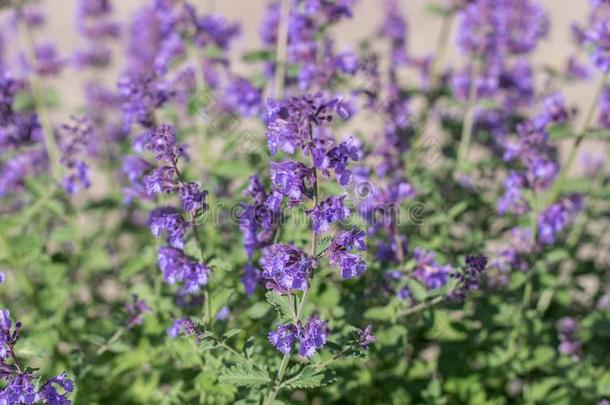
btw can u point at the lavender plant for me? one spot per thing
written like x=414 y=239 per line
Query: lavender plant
x=303 y=221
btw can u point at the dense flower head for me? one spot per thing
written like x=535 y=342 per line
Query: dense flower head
x=47 y=61
x=468 y=280
x=337 y=158
x=283 y=337
x=76 y=137
x=497 y=27
x=557 y=217
x=193 y=198
x=243 y=97
x=170 y=221
x=141 y=95
x=313 y=336
x=213 y=29
x=162 y=143
x=182 y=325
x=285 y=268
x=599 y=39
x=290 y=122
x=330 y=210
x=339 y=253
x=179 y=268
x=428 y=271
x=291 y=179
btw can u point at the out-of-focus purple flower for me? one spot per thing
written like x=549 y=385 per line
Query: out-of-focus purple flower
x=283 y=338
x=337 y=158
x=213 y=29
x=428 y=271
x=496 y=27
x=366 y=337
x=136 y=309
x=351 y=265
x=76 y=136
x=182 y=325
x=604 y=108
x=49 y=393
x=141 y=95
x=285 y=268
x=592 y=163
x=92 y=57
x=557 y=217
x=243 y=97
x=162 y=142
x=468 y=280
x=576 y=70
x=47 y=60
x=290 y=122
x=568 y=342
x=250 y=278
x=178 y=268
x=599 y=39
x=328 y=211
x=135 y=169
x=15 y=171
x=193 y=198
x=291 y=179
x=169 y=220
x=394 y=28
x=313 y=336
x=223 y=314
x=513 y=199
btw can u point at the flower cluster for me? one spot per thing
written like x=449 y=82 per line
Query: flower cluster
x=312 y=337
x=20 y=384
x=76 y=139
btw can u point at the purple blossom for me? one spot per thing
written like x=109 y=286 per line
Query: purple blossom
x=15 y=171
x=49 y=391
x=213 y=29
x=223 y=313
x=328 y=211
x=135 y=169
x=599 y=39
x=468 y=280
x=428 y=271
x=136 y=309
x=313 y=337
x=513 y=199
x=141 y=95
x=292 y=179
x=350 y=264
x=168 y=220
x=182 y=325
x=557 y=217
x=178 y=268
x=604 y=108
x=496 y=27
x=243 y=97
x=47 y=61
x=366 y=337
x=283 y=338
x=193 y=198
x=76 y=137
x=337 y=158
x=290 y=122
x=162 y=143
x=285 y=268
x=250 y=278
x=568 y=342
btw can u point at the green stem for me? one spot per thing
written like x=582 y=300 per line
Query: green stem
x=314 y=246
x=39 y=99
x=468 y=121
x=579 y=138
x=422 y=306
x=236 y=353
x=281 y=49
x=441 y=48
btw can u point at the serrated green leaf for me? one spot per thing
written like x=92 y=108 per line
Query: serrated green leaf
x=281 y=303
x=230 y=333
x=242 y=375
x=309 y=378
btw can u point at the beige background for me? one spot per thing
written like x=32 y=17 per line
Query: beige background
x=423 y=31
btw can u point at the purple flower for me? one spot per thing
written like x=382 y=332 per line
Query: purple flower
x=250 y=278
x=313 y=337
x=285 y=268
x=49 y=391
x=193 y=198
x=47 y=60
x=599 y=39
x=283 y=338
x=428 y=271
x=169 y=220
x=243 y=97
x=292 y=179
x=135 y=169
x=604 y=108
x=76 y=137
x=366 y=337
x=182 y=325
x=136 y=309
x=162 y=142
x=469 y=279
x=351 y=265
x=496 y=27
x=178 y=268
x=328 y=211
x=337 y=158
x=141 y=95
x=568 y=342
x=223 y=314
x=213 y=29
x=557 y=217
x=15 y=171
x=163 y=179
x=290 y=122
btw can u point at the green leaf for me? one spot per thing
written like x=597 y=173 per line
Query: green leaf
x=230 y=333
x=281 y=303
x=417 y=289
x=379 y=313
x=242 y=375
x=309 y=378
